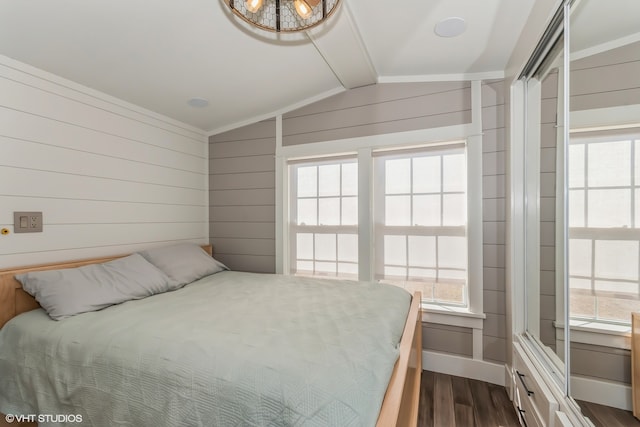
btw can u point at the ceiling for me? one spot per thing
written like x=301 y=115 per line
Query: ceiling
x=160 y=54
x=598 y=25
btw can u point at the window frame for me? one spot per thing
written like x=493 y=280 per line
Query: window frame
x=382 y=230
x=318 y=228
x=471 y=316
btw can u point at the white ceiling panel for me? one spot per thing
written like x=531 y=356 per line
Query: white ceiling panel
x=401 y=41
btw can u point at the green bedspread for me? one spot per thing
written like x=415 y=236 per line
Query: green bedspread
x=232 y=349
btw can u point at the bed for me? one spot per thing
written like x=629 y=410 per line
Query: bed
x=231 y=348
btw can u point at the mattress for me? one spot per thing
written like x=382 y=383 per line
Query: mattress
x=232 y=349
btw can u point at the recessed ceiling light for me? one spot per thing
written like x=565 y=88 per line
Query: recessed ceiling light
x=198 y=102
x=450 y=27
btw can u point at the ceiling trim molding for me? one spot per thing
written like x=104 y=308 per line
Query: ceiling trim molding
x=361 y=43
x=489 y=75
x=603 y=47
x=45 y=76
x=342 y=48
x=278 y=112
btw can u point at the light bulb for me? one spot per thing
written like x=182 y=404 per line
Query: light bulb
x=303 y=8
x=254 y=5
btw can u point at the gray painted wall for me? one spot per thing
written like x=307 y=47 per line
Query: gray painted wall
x=364 y=111
x=379 y=109
x=494 y=217
x=608 y=79
x=447 y=339
x=242 y=197
x=548 y=143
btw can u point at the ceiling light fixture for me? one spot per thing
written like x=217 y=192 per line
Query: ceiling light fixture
x=283 y=15
x=254 y=5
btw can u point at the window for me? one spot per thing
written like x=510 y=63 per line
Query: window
x=395 y=211
x=604 y=226
x=324 y=218
x=420 y=222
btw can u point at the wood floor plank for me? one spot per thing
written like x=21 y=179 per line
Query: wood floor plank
x=464 y=415
x=586 y=411
x=447 y=400
x=606 y=416
x=482 y=404
x=463 y=401
x=443 y=406
x=461 y=391
x=505 y=414
x=425 y=411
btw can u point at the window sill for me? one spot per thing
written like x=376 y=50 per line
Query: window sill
x=597 y=333
x=454 y=316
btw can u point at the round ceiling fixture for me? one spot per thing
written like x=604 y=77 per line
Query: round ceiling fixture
x=198 y=102
x=284 y=16
x=450 y=27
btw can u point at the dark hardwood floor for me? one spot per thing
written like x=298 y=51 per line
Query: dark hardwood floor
x=446 y=400
x=605 y=416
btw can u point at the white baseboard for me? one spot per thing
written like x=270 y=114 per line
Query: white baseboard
x=459 y=366
x=603 y=392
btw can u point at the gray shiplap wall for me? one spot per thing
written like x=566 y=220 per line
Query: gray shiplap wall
x=242 y=197
x=379 y=109
x=608 y=79
x=548 y=138
x=366 y=111
x=447 y=339
x=494 y=217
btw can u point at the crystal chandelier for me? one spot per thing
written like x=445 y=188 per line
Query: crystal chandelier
x=283 y=15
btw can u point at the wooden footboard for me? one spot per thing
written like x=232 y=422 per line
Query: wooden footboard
x=400 y=405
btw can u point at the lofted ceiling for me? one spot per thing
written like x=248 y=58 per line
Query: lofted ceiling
x=159 y=54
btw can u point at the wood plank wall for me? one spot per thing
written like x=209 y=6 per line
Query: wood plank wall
x=108 y=176
x=242 y=219
x=242 y=194
x=494 y=184
x=608 y=79
x=379 y=109
x=548 y=136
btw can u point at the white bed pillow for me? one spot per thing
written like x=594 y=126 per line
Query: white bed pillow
x=67 y=292
x=183 y=262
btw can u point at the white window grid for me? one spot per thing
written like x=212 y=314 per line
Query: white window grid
x=415 y=230
x=595 y=235
x=335 y=267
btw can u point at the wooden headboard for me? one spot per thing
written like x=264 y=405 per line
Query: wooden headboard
x=14 y=300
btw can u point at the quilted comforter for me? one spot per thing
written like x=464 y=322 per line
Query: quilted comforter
x=232 y=349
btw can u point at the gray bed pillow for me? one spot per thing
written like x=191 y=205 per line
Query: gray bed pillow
x=67 y=292
x=183 y=262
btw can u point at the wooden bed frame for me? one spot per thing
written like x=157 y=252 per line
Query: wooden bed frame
x=401 y=400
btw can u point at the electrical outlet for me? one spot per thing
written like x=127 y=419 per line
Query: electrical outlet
x=27 y=222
